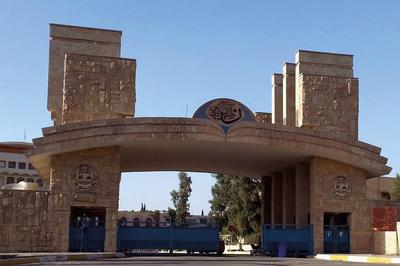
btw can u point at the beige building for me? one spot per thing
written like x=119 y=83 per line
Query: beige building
x=143 y=218
x=15 y=166
x=313 y=167
x=379 y=188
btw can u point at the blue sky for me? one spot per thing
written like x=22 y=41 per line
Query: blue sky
x=189 y=52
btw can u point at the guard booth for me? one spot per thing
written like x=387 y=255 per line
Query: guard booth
x=87 y=229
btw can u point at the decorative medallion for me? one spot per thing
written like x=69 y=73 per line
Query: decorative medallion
x=225 y=112
x=341 y=187
x=84 y=178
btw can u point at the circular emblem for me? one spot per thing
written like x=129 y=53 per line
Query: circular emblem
x=225 y=111
x=84 y=178
x=341 y=187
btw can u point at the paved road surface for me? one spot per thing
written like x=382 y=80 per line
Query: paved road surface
x=230 y=260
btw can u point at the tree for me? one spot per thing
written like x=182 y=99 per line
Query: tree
x=180 y=198
x=395 y=191
x=236 y=201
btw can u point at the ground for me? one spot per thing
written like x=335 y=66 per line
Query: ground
x=231 y=260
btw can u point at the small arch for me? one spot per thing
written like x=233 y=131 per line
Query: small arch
x=30 y=180
x=149 y=222
x=19 y=179
x=40 y=182
x=10 y=180
x=123 y=221
x=136 y=222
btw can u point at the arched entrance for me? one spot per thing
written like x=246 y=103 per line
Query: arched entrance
x=309 y=142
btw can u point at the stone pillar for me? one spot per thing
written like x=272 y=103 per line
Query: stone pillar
x=276 y=198
x=302 y=193
x=76 y=40
x=340 y=188
x=103 y=164
x=327 y=94
x=277 y=100
x=266 y=200
x=288 y=193
x=289 y=92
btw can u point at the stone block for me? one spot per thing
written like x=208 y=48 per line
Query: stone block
x=97 y=88
x=328 y=104
x=277 y=99
x=289 y=95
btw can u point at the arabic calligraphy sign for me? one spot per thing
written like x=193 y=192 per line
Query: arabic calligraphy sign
x=225 y=112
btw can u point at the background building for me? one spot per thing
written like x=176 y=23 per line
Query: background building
x=15 y=166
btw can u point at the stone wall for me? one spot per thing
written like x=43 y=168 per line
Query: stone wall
x=97 y=88
x=263 y=117
x=330 y=105
x=24 y=222
x=323 y=173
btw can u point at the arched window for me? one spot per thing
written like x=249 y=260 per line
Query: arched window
x=149 y=222
x=19 y=179
x=136 y=222
x=123 y=221
x=30 y=180
x=10 y=180
x=40 y=182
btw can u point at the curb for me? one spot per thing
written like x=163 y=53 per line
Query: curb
x=362 y=259
x=53 y=258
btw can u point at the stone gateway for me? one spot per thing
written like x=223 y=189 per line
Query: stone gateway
x=306 y=152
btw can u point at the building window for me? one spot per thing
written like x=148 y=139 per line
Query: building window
x=12 y=164
x=40 y=182
x=149 y=222
x=123 y=221
x=10 y=180
x=30 y=180
x=21 y=165
x=2 y=164
x=136 y=222
x=385 y=195
x=19 y=179
x=30 y=166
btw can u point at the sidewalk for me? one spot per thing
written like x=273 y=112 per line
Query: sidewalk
x=363 y=258
x=25 y=258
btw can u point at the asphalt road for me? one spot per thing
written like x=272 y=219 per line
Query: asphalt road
x=230 y=260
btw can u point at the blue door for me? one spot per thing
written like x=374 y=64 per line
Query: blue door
x=336 y=239
x=87 y=230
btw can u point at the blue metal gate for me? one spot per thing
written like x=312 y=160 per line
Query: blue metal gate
x=86 y=235
x=336 y=239
x=133 y=236
x=297 y=239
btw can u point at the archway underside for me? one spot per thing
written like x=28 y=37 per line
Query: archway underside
x=248 y=148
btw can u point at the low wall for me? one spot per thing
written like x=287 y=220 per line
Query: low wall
x=24 y=221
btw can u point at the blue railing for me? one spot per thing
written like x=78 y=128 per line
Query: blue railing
x=167 y=236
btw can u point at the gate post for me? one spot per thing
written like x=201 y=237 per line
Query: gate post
x=90 y=179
